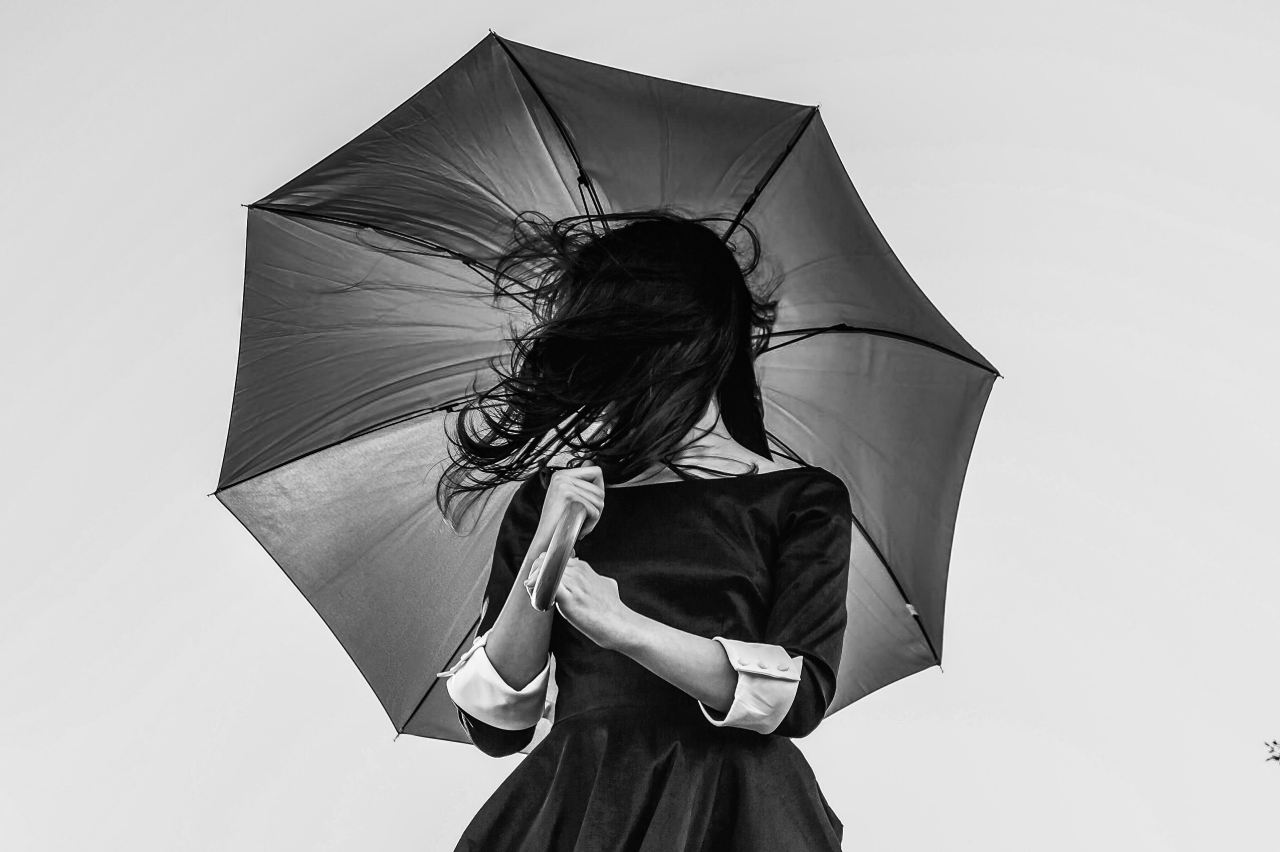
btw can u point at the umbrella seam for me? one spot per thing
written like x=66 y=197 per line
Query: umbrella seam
x=466 y=637
x=444 y=252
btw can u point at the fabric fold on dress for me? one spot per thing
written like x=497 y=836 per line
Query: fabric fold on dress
x=620 y=781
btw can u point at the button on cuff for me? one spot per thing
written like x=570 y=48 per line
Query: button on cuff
x=760 y=658
x=768 y=679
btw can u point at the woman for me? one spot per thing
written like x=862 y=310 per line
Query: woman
x=698 y=627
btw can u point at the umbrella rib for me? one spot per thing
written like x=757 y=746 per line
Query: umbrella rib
x=777 y=164
x=911 y=609
x=584 y=180
x=875 y=548
x=436 y=680
x=314 y=609
x=845 y=328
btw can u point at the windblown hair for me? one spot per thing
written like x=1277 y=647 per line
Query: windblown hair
x=634 y=330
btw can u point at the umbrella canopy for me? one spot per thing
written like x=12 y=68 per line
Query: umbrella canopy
x=366 y=320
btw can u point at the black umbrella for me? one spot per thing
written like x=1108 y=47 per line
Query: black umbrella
x=337 y=426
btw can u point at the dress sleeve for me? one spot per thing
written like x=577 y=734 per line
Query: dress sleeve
x=787 y=680
x=499 y=719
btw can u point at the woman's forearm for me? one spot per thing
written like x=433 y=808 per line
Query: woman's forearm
x=694 y=664
x=518 y=642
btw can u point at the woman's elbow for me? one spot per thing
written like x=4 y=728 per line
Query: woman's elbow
x=807 y=712
x=503 y=749
x=495 y=742
x=800 y=725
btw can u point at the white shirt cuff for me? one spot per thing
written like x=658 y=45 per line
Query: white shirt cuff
x=475 y=686
x=768 y=678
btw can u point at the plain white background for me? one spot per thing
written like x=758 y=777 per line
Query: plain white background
x=1088 y=191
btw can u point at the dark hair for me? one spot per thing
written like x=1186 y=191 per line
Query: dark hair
x=639 y=326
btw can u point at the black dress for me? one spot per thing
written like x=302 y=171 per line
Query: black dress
x=630 y=764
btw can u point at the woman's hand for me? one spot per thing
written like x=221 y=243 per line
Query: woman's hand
x=589 y=602
x=570 y=485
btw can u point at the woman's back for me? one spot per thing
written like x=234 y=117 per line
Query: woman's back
x=633 y=762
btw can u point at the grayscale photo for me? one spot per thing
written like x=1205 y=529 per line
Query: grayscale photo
x=686 y=427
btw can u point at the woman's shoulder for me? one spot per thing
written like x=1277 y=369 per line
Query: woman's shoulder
x=813 y=472
x=813 y=486
x=822 y=477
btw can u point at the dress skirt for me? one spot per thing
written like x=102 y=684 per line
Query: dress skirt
x=619 y=780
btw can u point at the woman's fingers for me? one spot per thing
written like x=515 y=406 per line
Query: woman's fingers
x=592 y=473
x=588 y=495
x=572 y=571
x=583 y=485
x=585 y=473
x=566 y=576
x=573 y=481
x=592 y=500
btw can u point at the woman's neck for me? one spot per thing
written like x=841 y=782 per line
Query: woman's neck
x=707 y=444
x=716 y=437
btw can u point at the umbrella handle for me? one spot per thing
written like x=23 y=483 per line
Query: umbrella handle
x=562 y=541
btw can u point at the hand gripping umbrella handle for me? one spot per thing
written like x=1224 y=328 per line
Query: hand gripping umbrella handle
x=558 y=551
